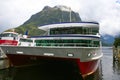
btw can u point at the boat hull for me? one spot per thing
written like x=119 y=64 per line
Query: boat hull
x=87 y=59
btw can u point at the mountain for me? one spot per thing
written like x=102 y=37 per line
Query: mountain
x=49 y=15
x=107 y=40
x=52 y=15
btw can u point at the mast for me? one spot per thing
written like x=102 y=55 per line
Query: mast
x=70 y=14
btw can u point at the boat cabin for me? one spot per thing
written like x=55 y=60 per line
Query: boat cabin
x=70 y=35
x=25 y=42
x=71 y=28
x=8 y=36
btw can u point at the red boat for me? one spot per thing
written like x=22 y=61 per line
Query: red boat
x=8 y=38
x=78 y=42
x=13 y=39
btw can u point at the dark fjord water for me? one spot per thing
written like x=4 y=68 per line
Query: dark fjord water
x=108 y=70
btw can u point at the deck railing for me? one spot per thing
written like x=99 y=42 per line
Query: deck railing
x=68 y=44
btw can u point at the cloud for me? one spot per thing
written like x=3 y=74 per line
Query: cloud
x=15 y=12
x=106 y=12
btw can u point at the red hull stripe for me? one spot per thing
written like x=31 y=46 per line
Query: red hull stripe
x=8 y=42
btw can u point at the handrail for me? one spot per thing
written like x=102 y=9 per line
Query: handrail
x=68 y=44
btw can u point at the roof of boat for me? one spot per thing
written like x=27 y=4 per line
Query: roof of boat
x=61 y=25
x=10 y=32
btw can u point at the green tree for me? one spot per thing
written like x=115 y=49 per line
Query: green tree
x=117 y=42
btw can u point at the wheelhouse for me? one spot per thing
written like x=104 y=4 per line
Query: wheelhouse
x=8 y=36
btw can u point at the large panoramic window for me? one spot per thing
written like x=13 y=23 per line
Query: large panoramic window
x=74 y=30
x=72 y=42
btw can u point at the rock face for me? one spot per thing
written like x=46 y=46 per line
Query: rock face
x=51 y=15
x=48 y=15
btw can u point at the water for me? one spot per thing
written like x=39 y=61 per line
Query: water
x=108 y=70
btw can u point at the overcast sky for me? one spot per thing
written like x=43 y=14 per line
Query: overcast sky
x=107 y=12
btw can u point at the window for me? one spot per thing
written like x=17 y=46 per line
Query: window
x=8 y=35
x=69 y=42
x=25 y=40
x=74 y=30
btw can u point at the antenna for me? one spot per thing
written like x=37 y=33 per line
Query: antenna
x=70 y=14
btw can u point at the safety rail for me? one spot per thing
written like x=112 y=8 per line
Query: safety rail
x=68 y=44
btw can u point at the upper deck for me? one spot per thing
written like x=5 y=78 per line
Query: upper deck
x=86 y=28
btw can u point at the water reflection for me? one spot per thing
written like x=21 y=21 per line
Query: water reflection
x=97 y=75
x=6 y=74
x=116 y=67
x=57 y=70
x=109 y=70
x=4 y=63
x=48 y=71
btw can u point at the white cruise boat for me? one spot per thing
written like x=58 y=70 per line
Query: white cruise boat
x=79 y=42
